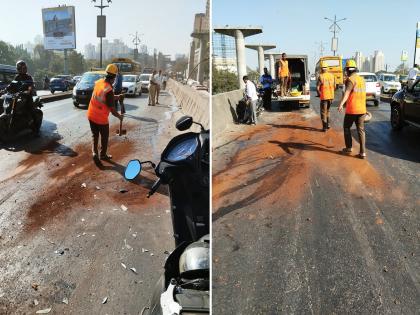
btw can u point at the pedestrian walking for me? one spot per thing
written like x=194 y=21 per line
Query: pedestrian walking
x=46 y=83
x=251 y=97
x=325 y=88
x=355 y=99
x=284 y=74
x=412 y=75
x=266 y=80
x=101 y=104
x=152 y=89
x=118 y=91
x=164 y=80
x=158 y=80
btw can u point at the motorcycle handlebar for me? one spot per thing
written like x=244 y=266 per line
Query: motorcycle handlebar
x=154 y=188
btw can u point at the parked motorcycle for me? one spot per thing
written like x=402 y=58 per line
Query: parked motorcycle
x=16 y=113
x=184 y=167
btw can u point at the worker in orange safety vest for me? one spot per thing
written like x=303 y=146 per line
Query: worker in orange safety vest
x=325 y=88
x=101 y=104
x=284 y=74
x=355 y=99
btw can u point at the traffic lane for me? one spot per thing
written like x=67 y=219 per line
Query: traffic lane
x=57 y=204
x=299 y=228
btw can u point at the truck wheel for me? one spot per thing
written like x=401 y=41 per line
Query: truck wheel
x=396 y=119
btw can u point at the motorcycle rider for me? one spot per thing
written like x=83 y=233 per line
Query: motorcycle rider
x=26 y=85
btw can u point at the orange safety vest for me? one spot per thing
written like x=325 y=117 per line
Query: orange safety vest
x=284 y=68
x=98 y=110
x=356 y=103
x=327 y=86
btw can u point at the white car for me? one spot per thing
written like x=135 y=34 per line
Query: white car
x=131 y=84
x=373 y=89
x=145 y=81
x=389 y=83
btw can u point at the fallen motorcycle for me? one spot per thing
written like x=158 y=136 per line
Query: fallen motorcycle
x=184 y=285
x=18 y=113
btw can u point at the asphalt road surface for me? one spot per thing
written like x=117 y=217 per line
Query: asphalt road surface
x=299 y=228
x=68 y=235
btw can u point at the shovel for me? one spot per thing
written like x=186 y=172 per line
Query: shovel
x=121 y=131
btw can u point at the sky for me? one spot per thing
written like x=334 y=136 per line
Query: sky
x=165 y=24
x=298 y=27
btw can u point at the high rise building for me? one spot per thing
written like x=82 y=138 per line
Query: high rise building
x=359 y=59
x=90 y=51
x=378 y=61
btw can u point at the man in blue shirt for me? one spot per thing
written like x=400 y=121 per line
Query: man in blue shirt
x=118 y=90
x=266 y=80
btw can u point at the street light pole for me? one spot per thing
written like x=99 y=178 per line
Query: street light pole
x=101 y=7
x=136 y=42
x=334 y=28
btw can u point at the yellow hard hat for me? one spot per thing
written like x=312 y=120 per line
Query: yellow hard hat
x=351 y=64
x=111 y=68
x=324 y=64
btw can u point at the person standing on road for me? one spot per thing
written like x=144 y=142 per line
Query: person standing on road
x=152 y=89
x=325 y=88
x=251 y=97
x=101 y=104
x=118 y=90
x=159 y=83
x=164 y=80
x=266 y=80
x=284 y=74
x=355 y=99
x=412 y=75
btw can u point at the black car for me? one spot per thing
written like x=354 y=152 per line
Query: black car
x=58 y=84
x=405 y=107
x=82 y=92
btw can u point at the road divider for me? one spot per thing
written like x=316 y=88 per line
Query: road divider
x=224 y=109
x=55 y=97
x=192 y=102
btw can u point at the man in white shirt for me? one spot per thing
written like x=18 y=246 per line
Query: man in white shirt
x=158 y=79
x=412 y=75
x=252 y=97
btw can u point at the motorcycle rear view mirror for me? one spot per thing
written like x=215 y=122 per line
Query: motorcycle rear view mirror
x=132 y=170
x=184 y=123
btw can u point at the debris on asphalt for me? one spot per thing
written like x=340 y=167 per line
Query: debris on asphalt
x=385 y=269
x=134 y=235
x=166 y=252
x=83 y=185
x=397 y=302
x=124 y=208
x=308 y=219
x=122 y=190
x=271 y=157
x=144 y=250
x=151 y=254
x=124 y=266
x=43 y=229
x=66 y=301
x=59 y=251
x=36 y=302
x=98 y=188
x=83 y=220
x=44 y=311
x=35 y=286
x=133 y=270
x=167 y=211
x=105 y=300
x=127 y=246
x=51 y=242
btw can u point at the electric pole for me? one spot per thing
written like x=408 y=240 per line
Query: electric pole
x=334 y=28
x=136 y=41
x=101 y=26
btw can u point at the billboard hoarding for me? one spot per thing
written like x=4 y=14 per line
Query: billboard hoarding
x=101 y=26
x=417 y=47
x=59 y=28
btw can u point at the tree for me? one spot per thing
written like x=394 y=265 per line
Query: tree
x=76 y=62
x=224 y=81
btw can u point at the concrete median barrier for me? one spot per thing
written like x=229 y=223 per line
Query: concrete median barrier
x=56 y=97
x=224 y=109
x=192 y=102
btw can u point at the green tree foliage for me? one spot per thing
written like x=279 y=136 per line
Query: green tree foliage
x=224 y=81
